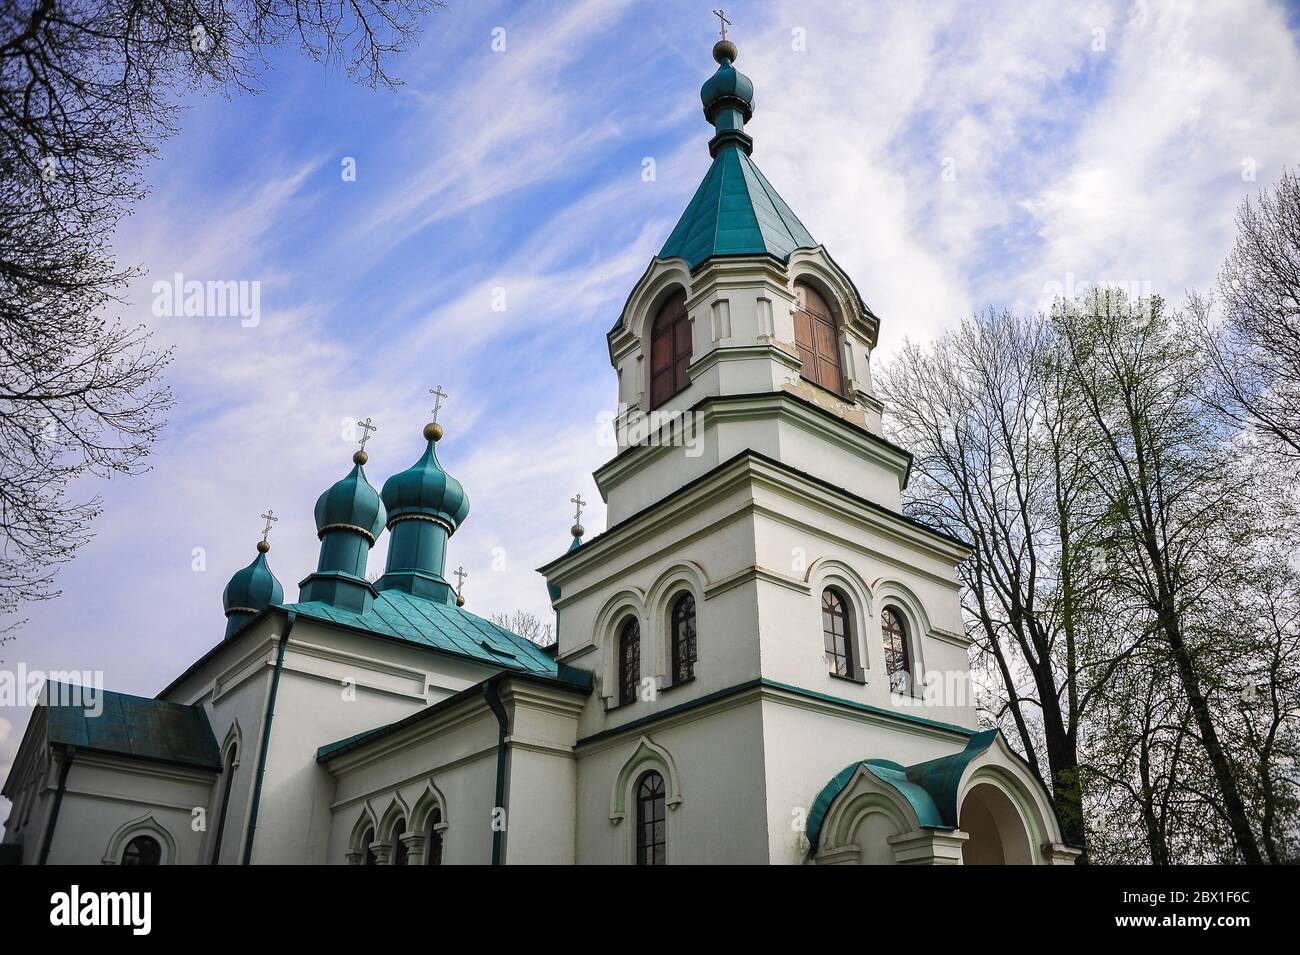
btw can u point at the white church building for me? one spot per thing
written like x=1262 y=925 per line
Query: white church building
x=760 y=660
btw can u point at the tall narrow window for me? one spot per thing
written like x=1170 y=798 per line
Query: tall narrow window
x=835 y=631
x=231 y=754
x=366 y=840
x=651 y=839
x=434 y=843
x=670 y=350
x=629 y=661
x=817 y=336
x=142 y=850
x=898 y=659
x=683 y=638
x=401 y=854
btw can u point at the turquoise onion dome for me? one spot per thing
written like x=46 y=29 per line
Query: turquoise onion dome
x=351 y=504
x=251 y=590
x=728 y=98
x=350 y=517
x=425 y=490
x=425 y=506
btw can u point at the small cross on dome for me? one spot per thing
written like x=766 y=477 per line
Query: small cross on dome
x=270 y=519
x=723 y=22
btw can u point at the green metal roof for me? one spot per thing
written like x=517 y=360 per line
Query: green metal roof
x=735 y=211
x=929 y=787
x=133 y=726
x=439 y=626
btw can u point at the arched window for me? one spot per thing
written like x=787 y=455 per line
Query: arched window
x=434 y=842
x=670 y=350
x=817 y=336
x=898 y=659
x=401 y=854
x=683 y=638
x=836 y=632
x=142 y=850
x=232 y=755
x=651 y=839
x=629 y=661
x=366 y=840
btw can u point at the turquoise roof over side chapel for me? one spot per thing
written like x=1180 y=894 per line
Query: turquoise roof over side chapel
x=735 y=211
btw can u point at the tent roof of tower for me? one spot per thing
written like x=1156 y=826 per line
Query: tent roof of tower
x=427 y=623
x=133 y=726
x=735 y=211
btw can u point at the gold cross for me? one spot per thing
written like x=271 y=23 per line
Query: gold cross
x=439 y=394
x=366 y=427
x=270 y=519
x=723 y=22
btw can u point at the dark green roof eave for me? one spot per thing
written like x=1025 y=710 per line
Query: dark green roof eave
x=135 y=727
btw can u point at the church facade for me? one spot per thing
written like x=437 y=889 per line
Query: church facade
x=760 y=660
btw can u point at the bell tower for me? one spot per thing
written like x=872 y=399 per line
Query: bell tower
x=731 y=613
x=768 y=316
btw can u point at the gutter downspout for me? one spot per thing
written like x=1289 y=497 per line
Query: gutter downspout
x=493 y=700
x=266 y=737
x=68 y=753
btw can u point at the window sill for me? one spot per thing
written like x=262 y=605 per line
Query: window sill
x=820 y=387
x=673 y=686
x=847 y=679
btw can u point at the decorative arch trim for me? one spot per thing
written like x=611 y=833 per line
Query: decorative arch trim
x=629 y=602
x=645 y=756
x=833 y=572
x=365 y=822
x=682 y=577
x=895 y=593
x=431 y=799
x=235 y=738
x=397 y=809
x=145 y=825
x=659 y=281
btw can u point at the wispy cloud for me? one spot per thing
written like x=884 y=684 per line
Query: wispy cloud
x=520 y=172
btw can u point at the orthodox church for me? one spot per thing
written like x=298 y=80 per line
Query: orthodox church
x=760 y=660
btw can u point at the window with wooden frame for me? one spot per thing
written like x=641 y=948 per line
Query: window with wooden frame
x=651 y=820
x=629 y=661
x=898 y=657
x=683 y=638
x=817 y=336
x=670 y=349
x=836 y=633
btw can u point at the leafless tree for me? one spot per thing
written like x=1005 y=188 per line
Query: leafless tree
x=88 y=91
x=984 y=414
x=527 y=625
x=1256 y=351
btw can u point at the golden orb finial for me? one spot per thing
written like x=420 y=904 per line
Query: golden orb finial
x=460 y=601
x=433 y=431
x=577 y=530
x=263 y=547
x=360 y=457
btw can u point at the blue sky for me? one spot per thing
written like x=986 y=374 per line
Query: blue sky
x=1094 y=142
